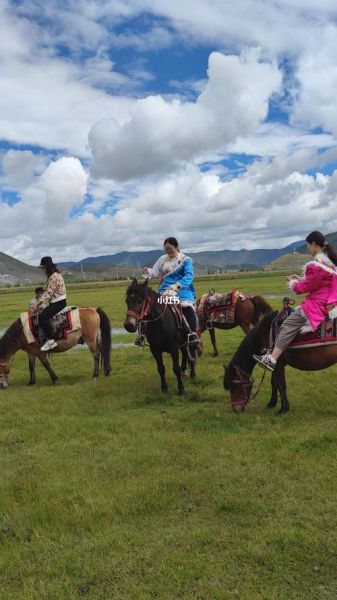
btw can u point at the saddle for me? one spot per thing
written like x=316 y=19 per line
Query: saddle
x=326 y=332
x=216 y=307
x=63 y=323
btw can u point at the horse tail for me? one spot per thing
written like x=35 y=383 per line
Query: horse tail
x=262 y=308
x=105 y=329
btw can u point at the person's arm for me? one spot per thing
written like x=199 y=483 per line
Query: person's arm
x=312 y=281
x=154 y=272
x=48 y=294
x=187 y=279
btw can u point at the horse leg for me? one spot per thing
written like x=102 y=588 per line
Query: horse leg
x=44 y=360
x=245 y=327
x=282 y=386
x=177 y=370
x=31 y=363
x=213 y=340
x=274 y=388
x=95 y=351
x=192 y=364
x=184 y=361
x=161 y=370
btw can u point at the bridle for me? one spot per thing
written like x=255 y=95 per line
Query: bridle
x=246 y=381
x=145 y=311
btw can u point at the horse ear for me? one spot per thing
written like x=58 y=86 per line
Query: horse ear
x=146 y=282
x=134 y=281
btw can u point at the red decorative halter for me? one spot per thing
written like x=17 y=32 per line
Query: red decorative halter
x=245 y=381
x=144 y=312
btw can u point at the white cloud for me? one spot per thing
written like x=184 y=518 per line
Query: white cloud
x=160 y=134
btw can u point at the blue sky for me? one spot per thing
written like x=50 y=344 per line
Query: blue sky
x=125 y=121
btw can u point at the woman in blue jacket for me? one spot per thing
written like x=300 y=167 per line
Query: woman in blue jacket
x=175 y=271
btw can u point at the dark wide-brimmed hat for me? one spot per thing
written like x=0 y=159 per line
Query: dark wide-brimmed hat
x=46 y=262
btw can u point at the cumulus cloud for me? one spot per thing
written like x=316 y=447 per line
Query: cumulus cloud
x=315 y=97
x=160 y=134
x=201 y=209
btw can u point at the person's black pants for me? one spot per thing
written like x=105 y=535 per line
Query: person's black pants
x=52 y=309
x=191 y=317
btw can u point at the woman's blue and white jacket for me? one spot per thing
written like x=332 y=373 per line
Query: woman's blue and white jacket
x=176 y=276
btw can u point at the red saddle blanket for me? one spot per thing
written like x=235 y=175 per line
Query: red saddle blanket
x=62 y=324
x=326 y=333
x=218 y=307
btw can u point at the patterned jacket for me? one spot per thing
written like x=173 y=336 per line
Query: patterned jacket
x=56 y=289
x=176 y=275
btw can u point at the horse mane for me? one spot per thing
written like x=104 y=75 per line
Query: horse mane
x=252 y=344
x=142 y=288
x=10 y=340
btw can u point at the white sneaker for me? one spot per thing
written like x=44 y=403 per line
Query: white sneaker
x=49 y=345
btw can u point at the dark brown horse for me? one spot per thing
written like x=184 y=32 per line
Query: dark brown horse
x=247 y=312
x=95 y=331
x=146 y=306
x=238 y=379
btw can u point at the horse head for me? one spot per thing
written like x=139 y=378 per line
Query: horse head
x=4 y=372
x=138 y=301
x=239 y=383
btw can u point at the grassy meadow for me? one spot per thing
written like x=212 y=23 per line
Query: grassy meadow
x=111 y=490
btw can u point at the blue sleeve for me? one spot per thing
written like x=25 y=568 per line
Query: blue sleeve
x=187 y=279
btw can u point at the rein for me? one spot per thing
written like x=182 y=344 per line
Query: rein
x=247 y=384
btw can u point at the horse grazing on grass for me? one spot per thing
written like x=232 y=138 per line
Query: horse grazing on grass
x=95 y=331
x=238 y=379
x=162 y=332
x=247 y=312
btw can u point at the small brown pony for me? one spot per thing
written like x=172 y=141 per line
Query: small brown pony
x=247 y=312
x=95 y=331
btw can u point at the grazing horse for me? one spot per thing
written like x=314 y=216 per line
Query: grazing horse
x=95 y=331
x=238 y=379
x=247 y=312
x=162 y=332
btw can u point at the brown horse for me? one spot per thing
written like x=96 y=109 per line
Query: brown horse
x=95 y=331
x=247 y=312
x=238 y=379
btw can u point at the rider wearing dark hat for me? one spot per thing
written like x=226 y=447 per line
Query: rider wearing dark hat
x=55 y=295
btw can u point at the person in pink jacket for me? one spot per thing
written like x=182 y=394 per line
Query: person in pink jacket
x=320 y=285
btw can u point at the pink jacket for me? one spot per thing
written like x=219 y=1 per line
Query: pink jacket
x=320 y=283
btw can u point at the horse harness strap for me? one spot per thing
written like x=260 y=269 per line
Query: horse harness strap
x=146 y=307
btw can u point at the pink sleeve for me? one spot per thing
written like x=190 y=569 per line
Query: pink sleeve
x=311 y=282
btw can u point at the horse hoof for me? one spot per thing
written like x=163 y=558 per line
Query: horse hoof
x=31 y=383
x=282 y=411
x=164 y=390
x=181 y=392
x=55 y=382
x=269 y=406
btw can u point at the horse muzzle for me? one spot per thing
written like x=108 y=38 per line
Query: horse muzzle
x=130 y=324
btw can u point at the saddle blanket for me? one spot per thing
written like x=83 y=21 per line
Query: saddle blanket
x=326 y=333
x=63 y=323
x=218 y=307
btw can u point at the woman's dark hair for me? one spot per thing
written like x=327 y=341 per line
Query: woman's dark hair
x=51 y=270
x=172 y=241
x=318 y=238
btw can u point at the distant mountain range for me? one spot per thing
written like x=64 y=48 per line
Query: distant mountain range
x=124 y=264
x=215 y=259
x=13 y=272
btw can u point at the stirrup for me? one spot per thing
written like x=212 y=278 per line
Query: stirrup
x=192 y=338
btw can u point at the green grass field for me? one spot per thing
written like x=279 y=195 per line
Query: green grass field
x=111 y=490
